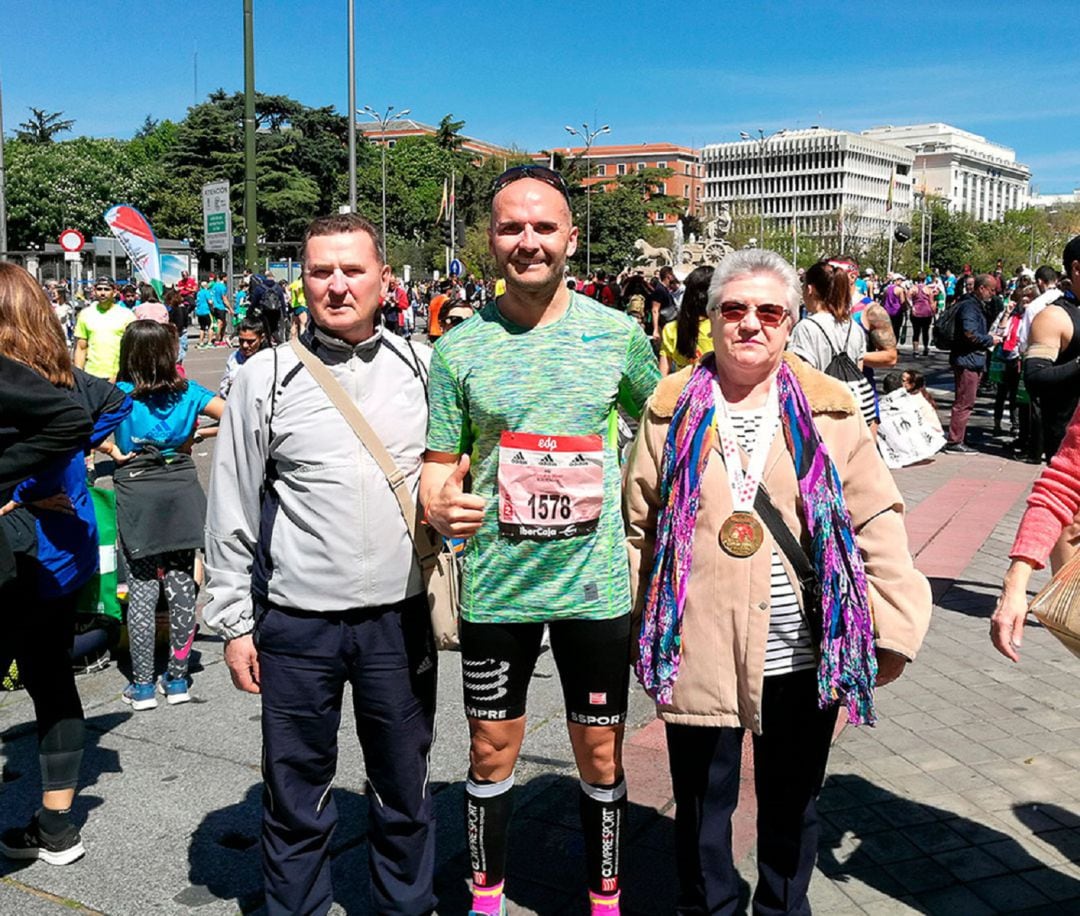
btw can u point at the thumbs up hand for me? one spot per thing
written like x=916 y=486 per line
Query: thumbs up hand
x=453 y=512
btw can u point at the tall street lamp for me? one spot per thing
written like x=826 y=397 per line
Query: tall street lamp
x=382 y=120
x=762 y=140
x=587 y=137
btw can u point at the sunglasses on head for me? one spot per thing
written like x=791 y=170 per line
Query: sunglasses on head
x=768 y=315
x=451 y=320
x=540 y=172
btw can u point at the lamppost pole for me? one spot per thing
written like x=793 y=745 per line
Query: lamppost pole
x=762 y=141
x=382 y=120
x=352 y=105
x=3 y=205
x=587 y=137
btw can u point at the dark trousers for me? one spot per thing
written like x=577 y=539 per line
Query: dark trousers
x=967 y=386
x=789 y=767
x=38 y=635
x=305 y=659
x=920 y=327
x=1006 y=391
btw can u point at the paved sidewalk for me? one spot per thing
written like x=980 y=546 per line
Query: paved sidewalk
x=963 y=800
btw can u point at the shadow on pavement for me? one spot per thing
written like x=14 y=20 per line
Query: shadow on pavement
x=937 y=861
x=545 y=872
x=22 y=776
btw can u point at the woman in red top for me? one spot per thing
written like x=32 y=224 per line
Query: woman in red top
x=1048 y=531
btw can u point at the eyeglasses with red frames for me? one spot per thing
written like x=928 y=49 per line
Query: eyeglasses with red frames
x=768 y=314
x=540 y=172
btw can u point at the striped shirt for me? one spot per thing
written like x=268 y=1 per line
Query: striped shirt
x=789 y=647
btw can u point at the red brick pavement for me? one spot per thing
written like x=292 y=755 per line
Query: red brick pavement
x=958 y=501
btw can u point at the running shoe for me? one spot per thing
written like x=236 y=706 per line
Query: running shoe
x=140 y=696
x=29 y=842
x=174 y=689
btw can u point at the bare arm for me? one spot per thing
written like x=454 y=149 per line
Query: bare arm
x=882 y=351
x=80 y=353
x=1007 y=624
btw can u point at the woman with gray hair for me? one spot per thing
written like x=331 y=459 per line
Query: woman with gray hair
x=739 y=462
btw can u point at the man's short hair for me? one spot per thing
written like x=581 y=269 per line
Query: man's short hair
x=985 y=280
x=1071 y=253
x=1046 y=274
x=340 y=223
x=666 y=272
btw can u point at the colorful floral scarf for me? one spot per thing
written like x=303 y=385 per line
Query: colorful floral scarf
x=848 y=665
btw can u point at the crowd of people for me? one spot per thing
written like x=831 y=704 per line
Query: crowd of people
x=745 y=557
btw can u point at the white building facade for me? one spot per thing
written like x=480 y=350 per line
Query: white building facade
x=803 y=181
x=974 y=175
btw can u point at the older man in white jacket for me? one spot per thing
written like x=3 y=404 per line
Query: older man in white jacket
x=314 y=581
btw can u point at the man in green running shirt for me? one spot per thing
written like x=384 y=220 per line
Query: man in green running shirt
x=524 y=396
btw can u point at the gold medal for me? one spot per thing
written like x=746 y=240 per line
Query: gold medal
x=741 y=534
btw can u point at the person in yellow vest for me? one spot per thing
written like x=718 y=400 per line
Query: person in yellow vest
x=298 y=304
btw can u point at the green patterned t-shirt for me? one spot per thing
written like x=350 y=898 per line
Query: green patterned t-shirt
x=490 y=376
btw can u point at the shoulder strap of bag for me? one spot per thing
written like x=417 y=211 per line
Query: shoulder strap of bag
x=791 y=548
x=425 y=547
x=828 y=339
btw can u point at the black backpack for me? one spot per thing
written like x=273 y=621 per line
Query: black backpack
x=844 y=369
x=945 y=326
x=266 y=302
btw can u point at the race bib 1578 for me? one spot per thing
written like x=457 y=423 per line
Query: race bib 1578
x=550 y=487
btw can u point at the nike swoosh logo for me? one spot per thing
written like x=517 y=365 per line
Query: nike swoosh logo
x=589 y=338
x=135 y=473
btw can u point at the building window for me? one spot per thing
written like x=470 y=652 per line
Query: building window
x=640 y=166
x=661 y=165
x=621 y=168
x=686 y=191
x=601 y=170
x=391 y=143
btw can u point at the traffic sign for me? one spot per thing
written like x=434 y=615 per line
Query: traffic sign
x=217 y=216
x=71 y=240
x=455 y=268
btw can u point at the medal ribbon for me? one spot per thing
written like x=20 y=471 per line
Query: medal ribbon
x=744 y=483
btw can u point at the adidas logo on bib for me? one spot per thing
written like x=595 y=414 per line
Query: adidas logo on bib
x=579 y=461
x=547 y=461
x=518 y=459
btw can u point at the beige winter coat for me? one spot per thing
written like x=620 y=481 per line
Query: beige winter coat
x=726 y=619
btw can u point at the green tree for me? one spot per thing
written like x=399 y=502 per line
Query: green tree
x=42 y=126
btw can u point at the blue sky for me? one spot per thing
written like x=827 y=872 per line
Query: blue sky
x=692 y=72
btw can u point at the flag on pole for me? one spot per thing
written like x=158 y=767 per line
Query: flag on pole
x=892 y=187
x=442 y=203
x=134 y=233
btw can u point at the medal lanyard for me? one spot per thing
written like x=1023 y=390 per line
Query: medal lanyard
x=744 y=483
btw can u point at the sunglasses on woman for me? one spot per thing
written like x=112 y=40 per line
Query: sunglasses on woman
x=540 y=172
x=451 y=320
x=768 y=315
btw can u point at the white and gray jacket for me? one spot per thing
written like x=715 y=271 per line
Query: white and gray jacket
x=325 y=533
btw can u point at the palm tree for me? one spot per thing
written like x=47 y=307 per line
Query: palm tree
x=446 y=135
x=42 y=126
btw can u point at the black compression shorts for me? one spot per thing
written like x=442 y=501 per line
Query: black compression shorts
x=592 y=657
x=204 y=321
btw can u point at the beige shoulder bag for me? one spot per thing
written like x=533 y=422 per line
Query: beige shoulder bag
x=1057 y=606
x=438 y=565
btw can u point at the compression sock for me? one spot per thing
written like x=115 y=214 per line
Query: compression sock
x=488 y=806
x=603 y=810
x=60 y=752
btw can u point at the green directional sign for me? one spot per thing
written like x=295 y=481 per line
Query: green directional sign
x=217 y=221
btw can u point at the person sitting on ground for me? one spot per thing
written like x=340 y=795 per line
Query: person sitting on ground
x=909 y=430
x=689 y=337
x=250 y=339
